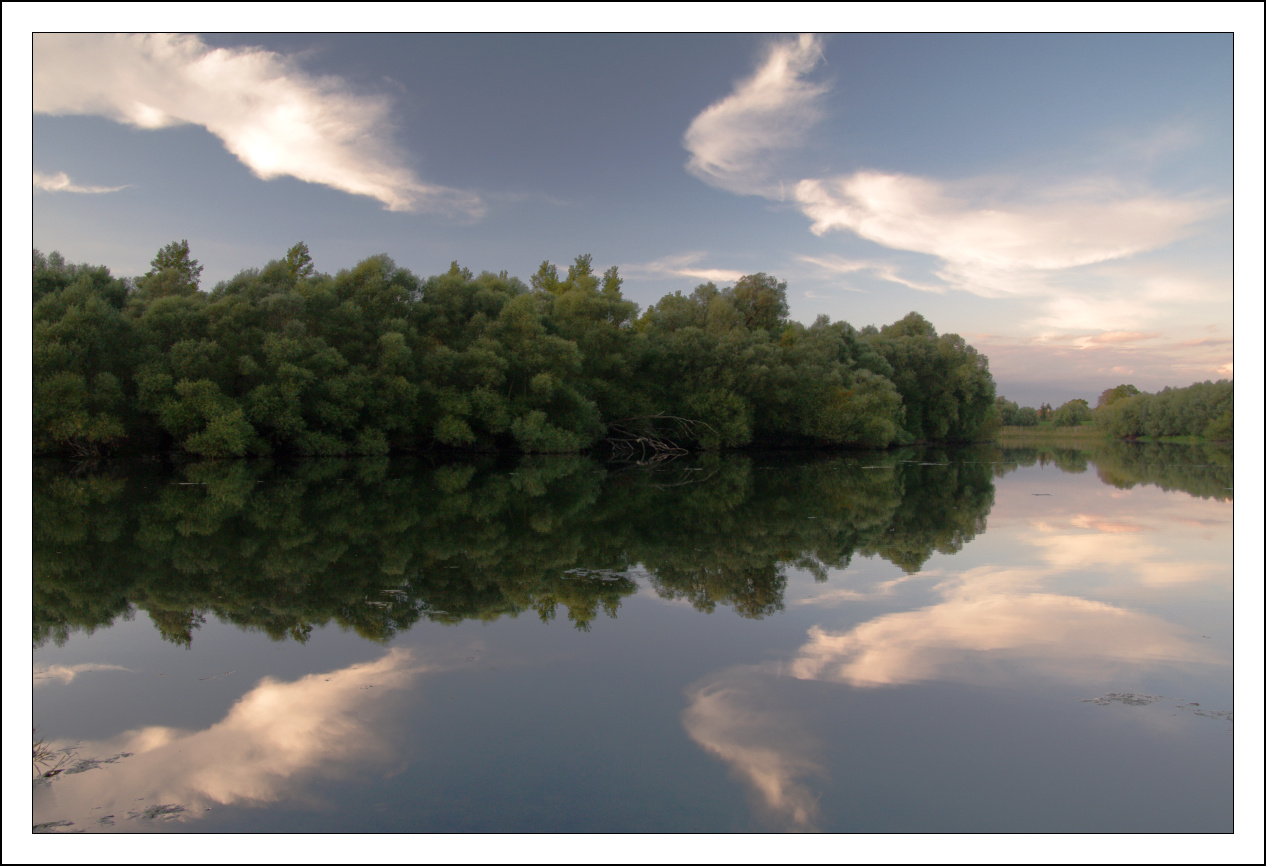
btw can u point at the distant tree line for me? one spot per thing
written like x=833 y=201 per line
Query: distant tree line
x=1204 y=409
x=287 y=360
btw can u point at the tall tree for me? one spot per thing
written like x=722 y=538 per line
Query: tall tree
x=173 y=271
x=299 y=262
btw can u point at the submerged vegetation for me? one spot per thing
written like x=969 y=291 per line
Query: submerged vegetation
x=374 y=360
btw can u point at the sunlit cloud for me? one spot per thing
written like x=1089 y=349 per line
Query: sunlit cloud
x=1135 y=556
x=1115 y=337
x=684 y=265
x=826 y=596
x=883 y=270
x=1112 y=526
x=275 y=737
x=43 y=675
x=1190 y=344
x=983 y=236
x=732 y=716
x=1149 y=364
x=992 y=622
x=733 y=141
x=61 y=182
x=986 y=620
x=984 y=244
x=276 y=118
x=990 y=625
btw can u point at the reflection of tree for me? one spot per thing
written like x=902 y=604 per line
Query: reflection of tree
x=1206 y=470
x=376 y=545
x=80 y=559
x=944 y=506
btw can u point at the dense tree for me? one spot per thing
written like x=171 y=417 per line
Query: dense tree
x=1201 y=409
x=82 y=354
x=1013 y=415
x=173 y=271
x=284 y=359
x=1111 y=395
x=1074 y=413
x=299 y=263
x=945 y=385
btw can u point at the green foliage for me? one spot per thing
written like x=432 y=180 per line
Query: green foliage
x=1111 y=395
x=377 y=546
x=173 y=271
x=1205 y=470
x=1201 y=409
x=1074 y=413
x=299 y=263
x=945 y=385
x=1012 y=415
x=82 y=347
x=372 y=360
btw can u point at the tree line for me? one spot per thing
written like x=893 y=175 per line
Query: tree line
x=1203 y=409
x=373 y=360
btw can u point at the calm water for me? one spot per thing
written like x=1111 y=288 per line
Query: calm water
x=924 y=640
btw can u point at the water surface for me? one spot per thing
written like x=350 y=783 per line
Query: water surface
x=934 y=640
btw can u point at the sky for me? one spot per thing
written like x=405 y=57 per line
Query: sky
x=1063 y=202
x=1066 y=203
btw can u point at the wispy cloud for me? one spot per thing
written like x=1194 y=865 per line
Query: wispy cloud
x=733 y=716
x=987 y=237
x=684 y=265
x=731 y=142
x=273 y=116
x=1150 y=364
x=65 y=674
x=61 y=182
x=1053 y=634
x=1115 y=338
x=984 y=244
x=883 y=270
x=270 y=743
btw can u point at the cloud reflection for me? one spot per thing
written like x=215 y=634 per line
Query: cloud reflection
x=966 y=636
x=42 y=675
x=990 y=625
x=275 y=737
x=731 y=716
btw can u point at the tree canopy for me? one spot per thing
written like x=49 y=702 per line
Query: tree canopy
x=373 y=359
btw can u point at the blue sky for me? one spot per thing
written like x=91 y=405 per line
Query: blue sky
x=1064 y=202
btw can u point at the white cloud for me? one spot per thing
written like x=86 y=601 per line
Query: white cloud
x=732 y=141
x=65 y=674
x=274 y=117
x=984 y=245
x=270 y=744
x=883 y=270
x=733 y=716
x=61 y=182
x=684 y=265
x=986 y=236
x=1056 y=635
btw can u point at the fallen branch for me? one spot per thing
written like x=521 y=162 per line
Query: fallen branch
x=651 y=438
